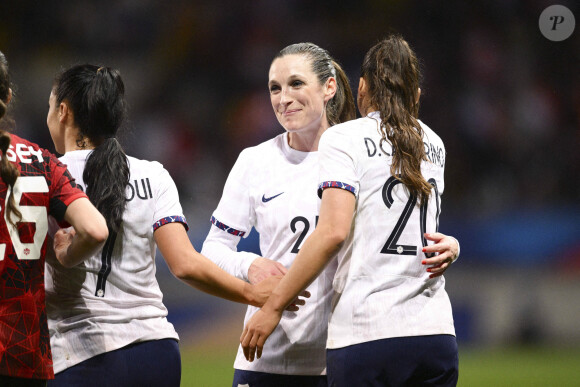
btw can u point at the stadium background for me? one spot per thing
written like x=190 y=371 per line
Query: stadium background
x=505 y=100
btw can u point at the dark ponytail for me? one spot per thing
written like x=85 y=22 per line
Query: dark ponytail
x=8 y=171
x=106 y=175
x=391 y=72
x=96 y=96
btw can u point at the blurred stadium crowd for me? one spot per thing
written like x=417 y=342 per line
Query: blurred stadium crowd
x=505 y=100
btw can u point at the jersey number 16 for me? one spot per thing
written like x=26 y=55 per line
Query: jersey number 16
x=30 y=214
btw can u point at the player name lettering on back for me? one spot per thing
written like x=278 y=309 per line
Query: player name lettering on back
x=434 y=153
x=140 y=189
x=372 y=149
x=23 y=153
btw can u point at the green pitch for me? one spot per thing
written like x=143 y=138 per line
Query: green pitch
x=207 y=367
x=526 y=367
x=515 y=367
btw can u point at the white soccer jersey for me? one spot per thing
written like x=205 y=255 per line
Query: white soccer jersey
x=272 y=187
x=113 y=299
x=381 y=289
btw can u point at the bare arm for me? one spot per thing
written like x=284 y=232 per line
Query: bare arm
x=89 y=236
x=336 y=213
x=199 y=272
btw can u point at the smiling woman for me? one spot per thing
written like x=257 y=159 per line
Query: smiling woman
x=298 y=99
x=272 y=187
x=391 y=322
x=304 y=83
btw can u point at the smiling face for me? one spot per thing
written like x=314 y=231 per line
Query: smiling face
x=296 y=94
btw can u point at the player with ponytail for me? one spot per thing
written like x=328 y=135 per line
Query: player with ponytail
x=391 y=322
x=390 y=73
x=106 y=314
x=340 y=107
x=95 y=94
x=33 y=185
x=272 y=188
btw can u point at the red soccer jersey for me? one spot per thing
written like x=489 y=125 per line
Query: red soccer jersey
x=44 y=188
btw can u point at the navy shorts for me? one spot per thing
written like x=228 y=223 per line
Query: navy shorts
x=262 y=379
x=400 y=361
x=148 y=363
x=10 y=381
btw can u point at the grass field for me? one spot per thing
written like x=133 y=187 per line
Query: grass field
x=526 y=367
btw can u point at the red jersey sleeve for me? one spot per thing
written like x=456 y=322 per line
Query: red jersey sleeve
x=63 y=189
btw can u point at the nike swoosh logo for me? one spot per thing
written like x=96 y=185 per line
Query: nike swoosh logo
x=265 y=199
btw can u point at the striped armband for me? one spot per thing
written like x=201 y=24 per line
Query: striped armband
x=226 y=228
x=171 y=219
x=335 y=184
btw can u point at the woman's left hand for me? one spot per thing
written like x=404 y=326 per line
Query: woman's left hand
x=447 y=248
x=256 y=331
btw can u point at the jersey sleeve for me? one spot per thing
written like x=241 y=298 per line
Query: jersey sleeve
x=63 y=189
x=167 y=207
x=234 y=213
x=221 y=248
x=232 y=220
x=337 y=164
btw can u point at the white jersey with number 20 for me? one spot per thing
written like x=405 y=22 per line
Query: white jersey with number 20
x=381 y=289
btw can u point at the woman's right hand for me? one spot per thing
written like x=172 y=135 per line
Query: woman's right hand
x=62 y=240
x=262 y=268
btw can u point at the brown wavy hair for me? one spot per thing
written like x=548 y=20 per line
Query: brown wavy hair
x=8 y=171
x=392 y=75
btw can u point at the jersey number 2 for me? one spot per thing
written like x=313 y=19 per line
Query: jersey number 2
x=31 y=214
x=392 y=246
x=303 y=220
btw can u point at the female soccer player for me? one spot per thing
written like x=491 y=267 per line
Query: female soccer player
x=272 y=187
x=33 y=185
x=390 y=324
x=106 y=316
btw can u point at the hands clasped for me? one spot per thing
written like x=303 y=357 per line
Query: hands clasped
x=266 y=274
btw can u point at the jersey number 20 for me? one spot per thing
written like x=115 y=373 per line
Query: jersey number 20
x=392 y=246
